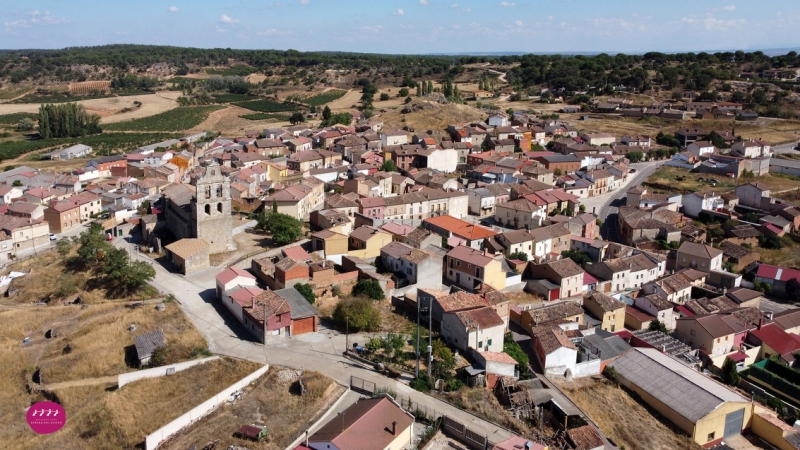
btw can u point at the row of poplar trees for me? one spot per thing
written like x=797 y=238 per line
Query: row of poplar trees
x=67 y=120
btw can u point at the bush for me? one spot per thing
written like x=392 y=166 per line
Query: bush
x=358 y=314
x=612 y=375
x=657 y=325
x=370 y=289
x=522 y=256
x=512 y=349
x=159 y=357
x=384 y=96
x=578 y=256
x=421 y=383
x=306 y=291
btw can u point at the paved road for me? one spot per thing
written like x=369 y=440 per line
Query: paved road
x=320 y=351
x=786 y=148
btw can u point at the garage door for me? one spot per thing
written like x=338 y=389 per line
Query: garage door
x=301 y=326
x=733 y=423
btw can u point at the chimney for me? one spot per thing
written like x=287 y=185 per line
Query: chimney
x=769 y=315
x=394 y=428
x=760 y=322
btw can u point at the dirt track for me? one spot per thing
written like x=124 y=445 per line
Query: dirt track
x=108 y=107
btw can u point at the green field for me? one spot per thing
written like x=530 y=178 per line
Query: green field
x=13 y=91
x=265 y=116
x=103 y=144
x=13 y=119
x=266 y=106
x=238 y=70
x=178 y=119
x=231 y=98
x=327 y=97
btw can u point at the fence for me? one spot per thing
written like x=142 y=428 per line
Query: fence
x=130 y=377
x=461 y=433
x=152 y=441
x=362 y=386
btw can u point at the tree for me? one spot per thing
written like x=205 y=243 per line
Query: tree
x=306 y=291
x=370 y=289
x=657 y=325
x=513 y=349
x=296 y=118
x=17 y=183
x=389 y=166
x=403 y=92
x=359 y=314
x=443 y=361
x=93 y=245
x=558 y=172
x=144 y=208
x=635 y=157
x=63 y=246
x=582 y=208
x=285 y=229
x=578 y=256
x=522 y=256
x=384 y=96
x=793 y=289
x=730 y=375
x=326 y=114
x=25 y=124
x=717 y=140
x=67 y=120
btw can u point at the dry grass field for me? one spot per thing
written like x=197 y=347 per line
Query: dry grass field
x=434 y=117
x=117 y=419
x=622 y=418
x=267 y=401
x=109 y=108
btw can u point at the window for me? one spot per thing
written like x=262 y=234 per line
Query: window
x=480 y=344
x=488 y=342
x=717 y=340
x=710 y=437
x=691 y=332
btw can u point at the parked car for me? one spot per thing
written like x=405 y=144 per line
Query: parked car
x=53 y=237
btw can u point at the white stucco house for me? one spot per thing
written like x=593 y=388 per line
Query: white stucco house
x=697 y=202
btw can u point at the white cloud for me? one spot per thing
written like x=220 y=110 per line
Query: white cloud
x=226 y=19
x=507 y=4
x=729 y=8
x=35 y=12
x=220 y=29
x=454 y=6
x=305 y=2
x=21 y=23
x=424 y=2
x=519 y=23
x=549 y=17
x=399 y=12
x=467 y=10
x=173 y=9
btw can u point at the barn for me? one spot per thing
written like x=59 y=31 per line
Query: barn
x=706 y=410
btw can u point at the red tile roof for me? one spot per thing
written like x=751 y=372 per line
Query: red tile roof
x=296 y=253
x=365 y=425
x=229 y=274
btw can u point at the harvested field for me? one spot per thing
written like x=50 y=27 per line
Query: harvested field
x=622 y=418
x=121 y=418
x=267 y=401
x=432 y=117
x=682 y=181
x=228 y=121
x=110 y=107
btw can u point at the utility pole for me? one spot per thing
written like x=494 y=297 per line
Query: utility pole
x=430 y=332
x=346 y=335
x=416 y=371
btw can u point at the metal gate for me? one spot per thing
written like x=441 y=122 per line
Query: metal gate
x=733 y=423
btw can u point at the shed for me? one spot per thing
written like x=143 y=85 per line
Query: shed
x=254 y=432
x=146 y=344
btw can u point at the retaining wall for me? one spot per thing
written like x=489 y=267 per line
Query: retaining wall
x=153 y=440
x=155 y=372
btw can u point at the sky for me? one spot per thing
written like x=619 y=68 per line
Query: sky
x=407 y=26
